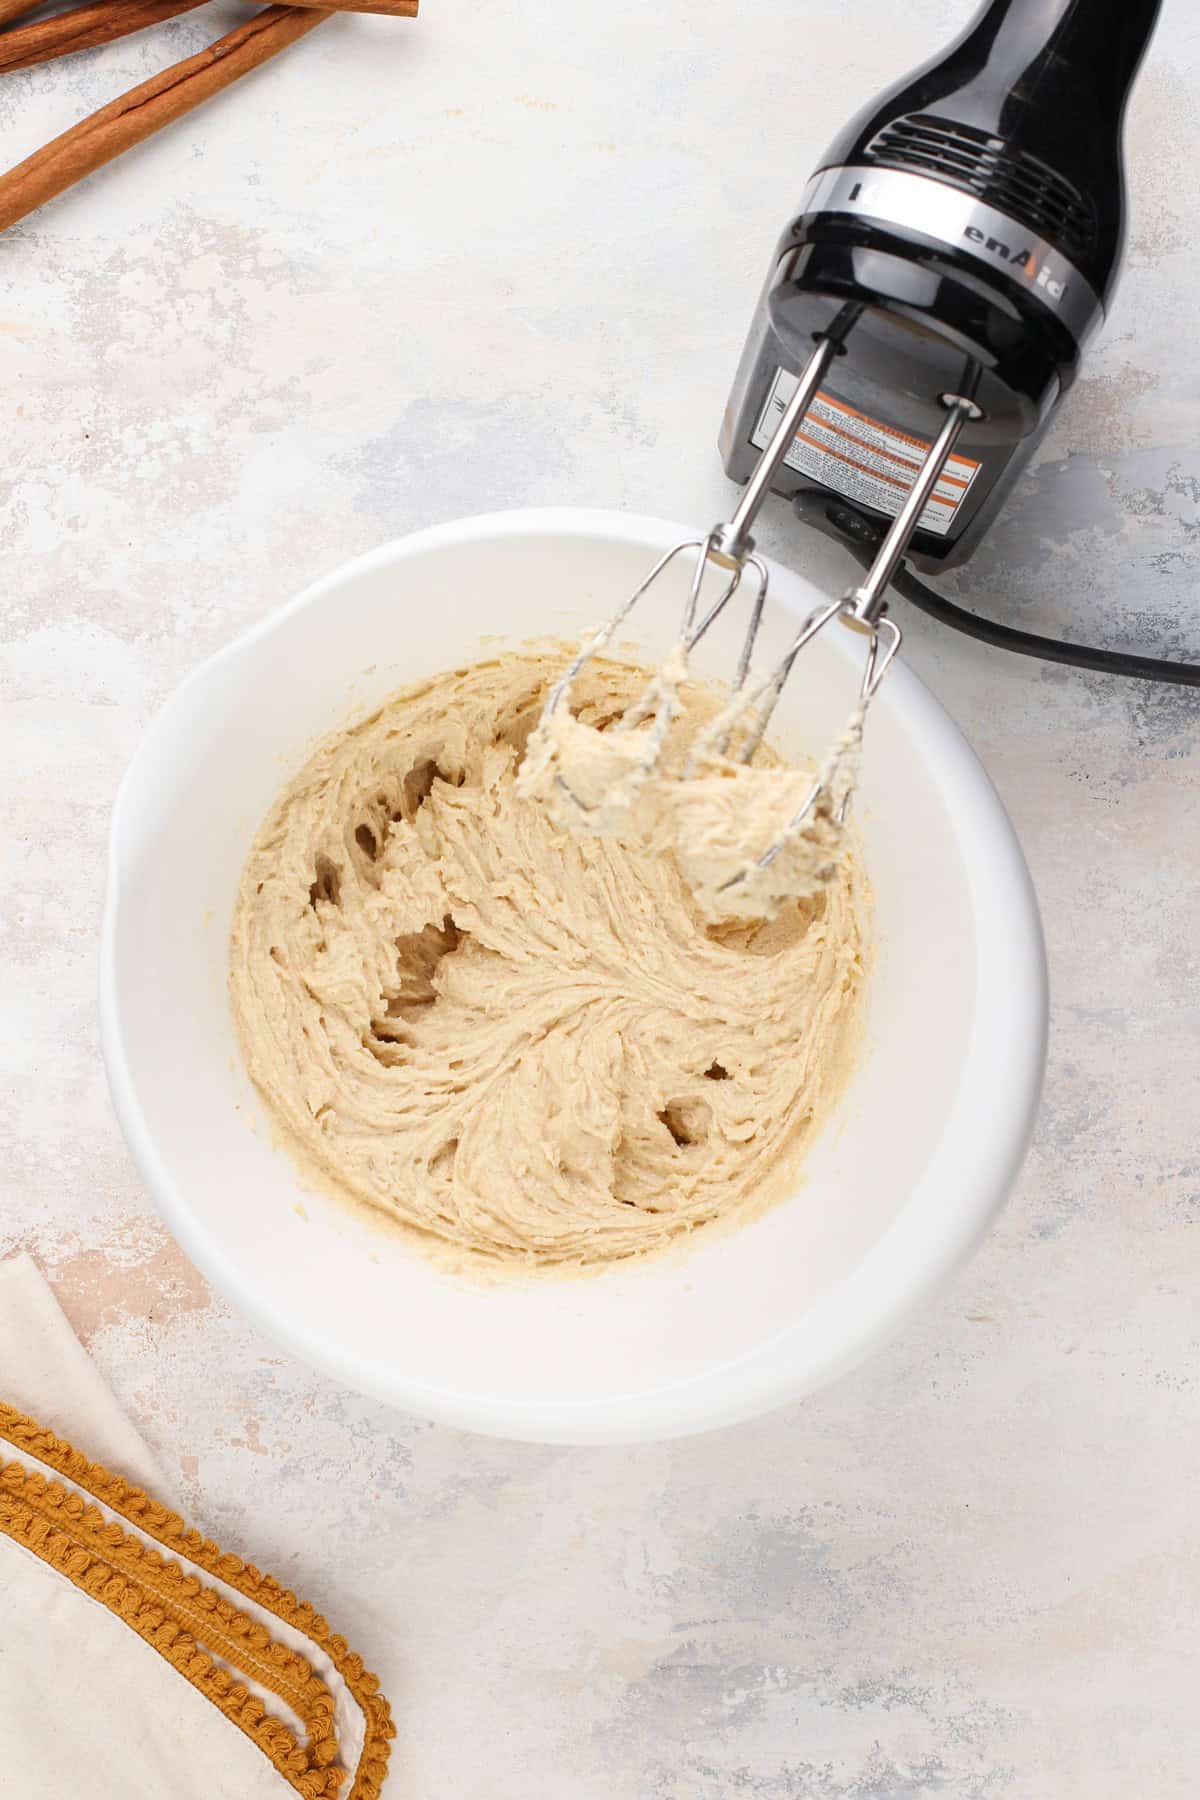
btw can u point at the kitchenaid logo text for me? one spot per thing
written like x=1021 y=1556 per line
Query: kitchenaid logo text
x=863 y=193
x=1020 y=259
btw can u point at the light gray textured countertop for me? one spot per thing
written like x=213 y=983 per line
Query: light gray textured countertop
x=505 y=257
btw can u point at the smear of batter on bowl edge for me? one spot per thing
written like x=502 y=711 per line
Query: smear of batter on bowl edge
x=531 y=1046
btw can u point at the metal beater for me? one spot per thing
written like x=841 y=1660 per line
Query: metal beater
x=739 y=729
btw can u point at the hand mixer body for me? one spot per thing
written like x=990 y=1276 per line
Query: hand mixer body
x=970 y=222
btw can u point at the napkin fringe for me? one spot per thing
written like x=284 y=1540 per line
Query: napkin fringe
x=122 y=1572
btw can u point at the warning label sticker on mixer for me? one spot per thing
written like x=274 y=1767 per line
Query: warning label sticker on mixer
x=862 y=457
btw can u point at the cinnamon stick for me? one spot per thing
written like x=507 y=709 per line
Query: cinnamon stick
x=83 y=28
x=145 y=109
x=100 y=21
x=14 y=9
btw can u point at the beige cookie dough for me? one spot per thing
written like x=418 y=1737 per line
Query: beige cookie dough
x=593 y=778
x=753 y=839
x=528 y=1045
x=749 y=838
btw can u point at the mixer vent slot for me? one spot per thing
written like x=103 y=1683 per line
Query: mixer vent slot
x=1012 y=181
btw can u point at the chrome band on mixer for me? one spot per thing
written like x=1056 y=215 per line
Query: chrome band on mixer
x=960 y=221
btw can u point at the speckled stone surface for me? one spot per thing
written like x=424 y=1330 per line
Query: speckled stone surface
x=507 y=256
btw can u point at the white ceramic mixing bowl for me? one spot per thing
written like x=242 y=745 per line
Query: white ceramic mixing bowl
x=896 y=1190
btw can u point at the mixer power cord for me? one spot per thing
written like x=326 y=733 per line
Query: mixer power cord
x=1028 y=643
x=862 y=540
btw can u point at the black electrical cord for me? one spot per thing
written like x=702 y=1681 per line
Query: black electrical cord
x=862 y=539
x=1028 y=643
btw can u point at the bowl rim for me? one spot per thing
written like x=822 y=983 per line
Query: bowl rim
x=924 y=1243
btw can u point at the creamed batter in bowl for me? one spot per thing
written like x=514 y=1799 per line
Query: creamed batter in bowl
x=531 y=1046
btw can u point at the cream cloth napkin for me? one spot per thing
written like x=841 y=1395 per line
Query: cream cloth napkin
x=120 y=1677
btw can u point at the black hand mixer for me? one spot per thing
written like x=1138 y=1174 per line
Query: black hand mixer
x=927 y=308
x=924 y=315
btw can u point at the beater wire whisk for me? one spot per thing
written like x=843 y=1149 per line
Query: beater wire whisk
x=739 y=729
